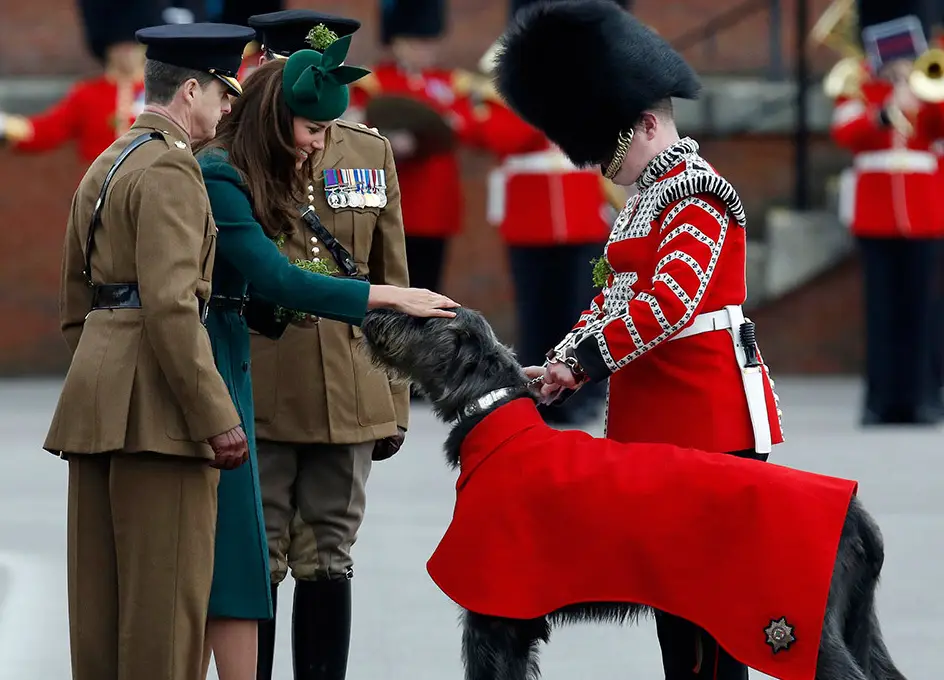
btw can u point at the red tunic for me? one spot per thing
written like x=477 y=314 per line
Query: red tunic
x=430 y=188
x=888 y=190
x=537 y=197
x=547 y=518
x=87 y=114
x=677 y=250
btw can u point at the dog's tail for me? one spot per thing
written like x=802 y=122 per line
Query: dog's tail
x=869 y=648
x=881 y=665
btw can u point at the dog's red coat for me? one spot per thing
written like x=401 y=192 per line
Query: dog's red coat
x=545 y=519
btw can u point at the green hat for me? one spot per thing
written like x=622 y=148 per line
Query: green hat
x=315 y=84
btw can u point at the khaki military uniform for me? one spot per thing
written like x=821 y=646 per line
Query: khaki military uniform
x=320 y=405
x=140 y=399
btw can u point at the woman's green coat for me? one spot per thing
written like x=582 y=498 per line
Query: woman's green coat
x=246 y=256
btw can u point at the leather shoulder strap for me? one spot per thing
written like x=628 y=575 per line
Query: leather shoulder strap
x=97 y=212
x=338 y=252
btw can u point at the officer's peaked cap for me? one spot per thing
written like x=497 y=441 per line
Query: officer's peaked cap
x=213 y=48
x=286 y=32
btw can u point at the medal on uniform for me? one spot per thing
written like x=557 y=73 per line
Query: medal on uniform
x=335 y=196
x=358 y=188
x=371 y=196
x=381 y=188
x=362 y=187
x=347 y=188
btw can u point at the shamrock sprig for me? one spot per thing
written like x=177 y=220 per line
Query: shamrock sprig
x=313 y=266
x=601 y=271
x=320 y=37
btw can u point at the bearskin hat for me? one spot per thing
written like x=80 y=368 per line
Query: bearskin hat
x=108 y=22
x=412 y=19
x=582 y=71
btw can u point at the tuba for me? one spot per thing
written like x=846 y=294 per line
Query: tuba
x=838 y=29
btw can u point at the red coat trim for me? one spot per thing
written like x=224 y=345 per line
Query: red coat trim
x=547 y=518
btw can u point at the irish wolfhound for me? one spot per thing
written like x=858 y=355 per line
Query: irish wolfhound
x=470 y=377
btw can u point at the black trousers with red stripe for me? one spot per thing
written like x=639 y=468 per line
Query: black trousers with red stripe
x=688 y=652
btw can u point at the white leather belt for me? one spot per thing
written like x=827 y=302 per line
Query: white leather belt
x=730 y=319
x=703 y=323
x=896 y=160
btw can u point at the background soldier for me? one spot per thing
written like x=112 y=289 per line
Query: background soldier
x=95 y=111
x=888 y=201
x=323 y=413
x=430 y=177
x=143 y=397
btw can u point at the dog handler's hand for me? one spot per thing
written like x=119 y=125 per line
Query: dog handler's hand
x=412 y=301
x=231 y=449
x=559 y=374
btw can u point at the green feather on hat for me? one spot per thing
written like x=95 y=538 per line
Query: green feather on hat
x=315 y=84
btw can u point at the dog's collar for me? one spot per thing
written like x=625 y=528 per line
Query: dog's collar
x=485 y=402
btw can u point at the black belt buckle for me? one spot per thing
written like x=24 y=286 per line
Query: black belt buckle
x=237 y=304
x=116 y=296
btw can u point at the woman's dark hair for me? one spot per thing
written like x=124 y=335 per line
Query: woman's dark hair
x=258 y=134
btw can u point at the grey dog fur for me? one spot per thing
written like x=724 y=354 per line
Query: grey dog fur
x=454 y=362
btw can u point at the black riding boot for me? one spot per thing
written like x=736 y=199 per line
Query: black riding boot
x=266 y=638
x=321 y=629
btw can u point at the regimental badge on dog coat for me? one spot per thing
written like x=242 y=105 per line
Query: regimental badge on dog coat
x=545 y=519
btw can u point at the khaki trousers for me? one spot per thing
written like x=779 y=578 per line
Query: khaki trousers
x=141 y=532
x=313 y=498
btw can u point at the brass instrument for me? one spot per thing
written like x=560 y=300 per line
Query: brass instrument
x=927 y=76
x=845 y=78
x=838 y=28
x=477 y=86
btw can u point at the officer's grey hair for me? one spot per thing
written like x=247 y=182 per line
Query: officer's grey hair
x=161 y=80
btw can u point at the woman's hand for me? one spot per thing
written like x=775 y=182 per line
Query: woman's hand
x=412 y=301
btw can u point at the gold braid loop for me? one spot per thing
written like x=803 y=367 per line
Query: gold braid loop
x=622 y=146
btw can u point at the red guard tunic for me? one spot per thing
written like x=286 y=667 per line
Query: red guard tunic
x=537 y=197
x=677 y=252
x=430 y=187
x=730 y=544
x=94 y=113
x=888 y=190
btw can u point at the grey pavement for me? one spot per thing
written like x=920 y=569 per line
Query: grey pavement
x=404 y=628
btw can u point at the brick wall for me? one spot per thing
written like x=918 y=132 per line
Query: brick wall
x=817 y=328
x=43 y=38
